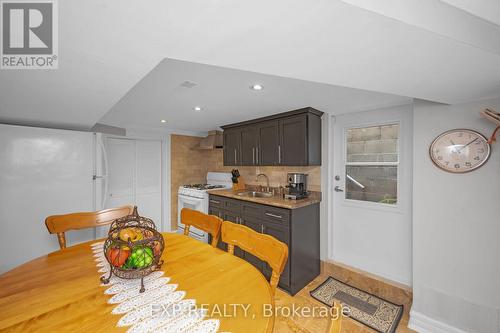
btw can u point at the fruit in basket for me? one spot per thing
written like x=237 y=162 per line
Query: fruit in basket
x=138 y=235
x=126 y=234
x=156 y=248
x=133 y=234
x=139 y=258
x=117 y=257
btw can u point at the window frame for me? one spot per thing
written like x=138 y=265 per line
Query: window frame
x=397 y=207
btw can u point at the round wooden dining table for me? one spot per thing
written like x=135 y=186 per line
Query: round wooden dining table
x=61 y=291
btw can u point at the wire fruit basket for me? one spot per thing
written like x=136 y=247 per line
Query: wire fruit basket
x=133 y=248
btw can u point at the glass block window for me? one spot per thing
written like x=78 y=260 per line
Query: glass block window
x=371 y=167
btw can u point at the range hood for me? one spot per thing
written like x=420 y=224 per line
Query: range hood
x=212 y=141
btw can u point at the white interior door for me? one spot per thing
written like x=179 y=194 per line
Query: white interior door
x=148 y=180
x=121 y=174
x=372 y=192
x=135 y=176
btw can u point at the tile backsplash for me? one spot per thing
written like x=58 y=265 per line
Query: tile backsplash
x=190 y=165
x=276 y=174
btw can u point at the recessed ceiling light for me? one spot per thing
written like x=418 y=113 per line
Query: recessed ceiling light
x=163 y=121
x=256 y=87
x=197 y=108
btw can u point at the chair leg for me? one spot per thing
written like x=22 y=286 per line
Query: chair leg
x=230 y=248
x=186 y=230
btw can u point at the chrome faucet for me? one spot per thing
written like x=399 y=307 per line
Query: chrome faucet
x=267 y=180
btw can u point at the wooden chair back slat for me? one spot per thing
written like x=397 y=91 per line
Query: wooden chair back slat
x=59 y=224
x=264 y=247
x=205 y=222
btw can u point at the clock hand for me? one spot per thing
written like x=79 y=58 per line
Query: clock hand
x=460 y=149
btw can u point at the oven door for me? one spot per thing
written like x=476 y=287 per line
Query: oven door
x=195 y=204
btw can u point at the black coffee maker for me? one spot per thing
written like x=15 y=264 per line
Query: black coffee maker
x=297 y=186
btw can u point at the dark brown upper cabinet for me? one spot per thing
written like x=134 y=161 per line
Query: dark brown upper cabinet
x=232 y=147
x=290 y=139
x=249 y=146
x=293 y=147
x=269 y=140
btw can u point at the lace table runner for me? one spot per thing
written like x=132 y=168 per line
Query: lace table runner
x=161 y=308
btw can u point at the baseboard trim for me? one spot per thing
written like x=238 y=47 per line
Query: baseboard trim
x=424 y=324
x=384 y=280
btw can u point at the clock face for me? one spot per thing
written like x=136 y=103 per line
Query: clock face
x=459 y=150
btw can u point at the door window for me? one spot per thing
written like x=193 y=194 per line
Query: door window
x=371 y=164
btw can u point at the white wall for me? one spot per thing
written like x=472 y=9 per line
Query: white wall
x=456 y=229
x=43 y=172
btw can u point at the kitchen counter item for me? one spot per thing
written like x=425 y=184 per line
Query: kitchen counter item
x=238 y=183
x=313 y=198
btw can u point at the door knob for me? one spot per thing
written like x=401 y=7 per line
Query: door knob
x=338 y=189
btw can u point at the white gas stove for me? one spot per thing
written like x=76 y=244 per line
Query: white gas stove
x=195 y=196
x=197 y=190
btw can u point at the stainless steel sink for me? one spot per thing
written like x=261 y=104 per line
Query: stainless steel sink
x=255 y=194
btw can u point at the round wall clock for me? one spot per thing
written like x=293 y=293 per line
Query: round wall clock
x=459 y=150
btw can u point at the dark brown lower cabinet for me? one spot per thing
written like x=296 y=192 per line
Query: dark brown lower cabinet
x=298 y=228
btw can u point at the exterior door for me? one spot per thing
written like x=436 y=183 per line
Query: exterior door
x=372 y=192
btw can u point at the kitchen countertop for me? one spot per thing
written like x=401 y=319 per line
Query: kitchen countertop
x=314 y=197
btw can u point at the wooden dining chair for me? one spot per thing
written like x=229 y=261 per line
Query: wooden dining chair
x=59 y=224
x=205 y=222
x=264 y=247
x=336 y=323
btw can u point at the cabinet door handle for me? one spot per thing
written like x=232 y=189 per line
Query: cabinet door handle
x=275 y=216
x=257 y=154
x=261 y=228
x=235 y=156
x=253 y=155
x=279 y=154
x=214 y=201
